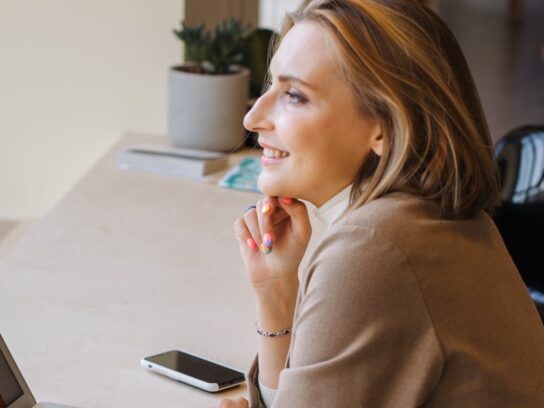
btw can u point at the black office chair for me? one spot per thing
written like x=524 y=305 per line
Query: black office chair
x=520 y=219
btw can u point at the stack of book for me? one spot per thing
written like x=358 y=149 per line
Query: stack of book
x=172 y=160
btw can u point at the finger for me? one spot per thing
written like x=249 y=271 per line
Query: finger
x=300 y=221
x=265 y=212
x=279 y=216
x=243 y=236
x=252 y=224
x=237 y=403
x=242 y=403
x=225 y=403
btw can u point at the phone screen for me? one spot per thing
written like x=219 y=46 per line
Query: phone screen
x=196 y=367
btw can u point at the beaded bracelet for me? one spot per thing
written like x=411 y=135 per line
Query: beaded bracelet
x=280 y=333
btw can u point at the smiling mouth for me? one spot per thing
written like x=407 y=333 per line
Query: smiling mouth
x=274 y=153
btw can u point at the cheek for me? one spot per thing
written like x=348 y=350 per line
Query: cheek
x=298 y=133
x=336 y=151
x=313 y=142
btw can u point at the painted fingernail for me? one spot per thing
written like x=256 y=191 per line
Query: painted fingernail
x=286 y=200
x=268 y=239
x=265 y=249
x=251 y=243
x=266 y=208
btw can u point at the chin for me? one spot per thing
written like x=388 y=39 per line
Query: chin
x=272 y=188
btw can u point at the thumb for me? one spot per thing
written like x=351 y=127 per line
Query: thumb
x=300 y=222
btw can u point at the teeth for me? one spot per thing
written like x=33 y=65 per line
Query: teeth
x=274 y=154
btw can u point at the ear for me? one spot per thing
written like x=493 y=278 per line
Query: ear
x=376 y=139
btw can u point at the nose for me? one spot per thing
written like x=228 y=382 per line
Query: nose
x=259 y=117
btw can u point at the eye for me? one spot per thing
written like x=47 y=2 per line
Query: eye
x=295 y=98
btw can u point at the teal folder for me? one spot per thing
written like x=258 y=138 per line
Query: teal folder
x=243 y=176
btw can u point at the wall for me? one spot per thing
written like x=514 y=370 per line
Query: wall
x=271 y=12
x=211 y=12
x=74 y=75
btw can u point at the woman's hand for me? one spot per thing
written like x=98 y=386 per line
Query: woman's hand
x=273 y=238
x=237 y=403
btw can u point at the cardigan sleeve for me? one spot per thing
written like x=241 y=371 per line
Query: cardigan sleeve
x=259 y=395
x=362 y=335
x=255 y=400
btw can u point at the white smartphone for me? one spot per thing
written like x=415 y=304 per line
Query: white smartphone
x=197 y=371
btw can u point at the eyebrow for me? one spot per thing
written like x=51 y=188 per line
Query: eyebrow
x=292 y=78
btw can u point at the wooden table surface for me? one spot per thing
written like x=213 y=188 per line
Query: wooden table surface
x=127 y=265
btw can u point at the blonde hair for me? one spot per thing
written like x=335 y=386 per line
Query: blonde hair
x=408 y=71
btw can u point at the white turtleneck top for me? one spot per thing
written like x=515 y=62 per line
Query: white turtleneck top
x=329 y=212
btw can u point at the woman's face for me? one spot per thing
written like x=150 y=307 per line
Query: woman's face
x=314 y=137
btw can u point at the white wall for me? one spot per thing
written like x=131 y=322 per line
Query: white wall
x=74 y=75
x=271 y=12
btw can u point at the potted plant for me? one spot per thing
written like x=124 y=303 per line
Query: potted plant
x=208 y=94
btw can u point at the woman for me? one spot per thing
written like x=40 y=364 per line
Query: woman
x=410 y=299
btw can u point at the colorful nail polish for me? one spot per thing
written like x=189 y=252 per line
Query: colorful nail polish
x=266 y=208
x=251 y=243
x=265 y=249
x=286 y=200
x=268 y=239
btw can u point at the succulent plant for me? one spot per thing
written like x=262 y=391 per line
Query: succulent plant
x=214 y=52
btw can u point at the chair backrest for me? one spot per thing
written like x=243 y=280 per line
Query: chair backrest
x=520 y=157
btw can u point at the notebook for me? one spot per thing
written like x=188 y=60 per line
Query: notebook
x=243 y=176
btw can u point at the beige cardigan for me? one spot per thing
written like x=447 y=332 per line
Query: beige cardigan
x=397 y=308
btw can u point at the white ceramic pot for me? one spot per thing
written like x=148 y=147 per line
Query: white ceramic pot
x=206 y=111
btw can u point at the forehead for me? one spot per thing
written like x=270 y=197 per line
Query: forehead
x=306 y=52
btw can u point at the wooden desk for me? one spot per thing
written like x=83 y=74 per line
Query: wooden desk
x=128 y=264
